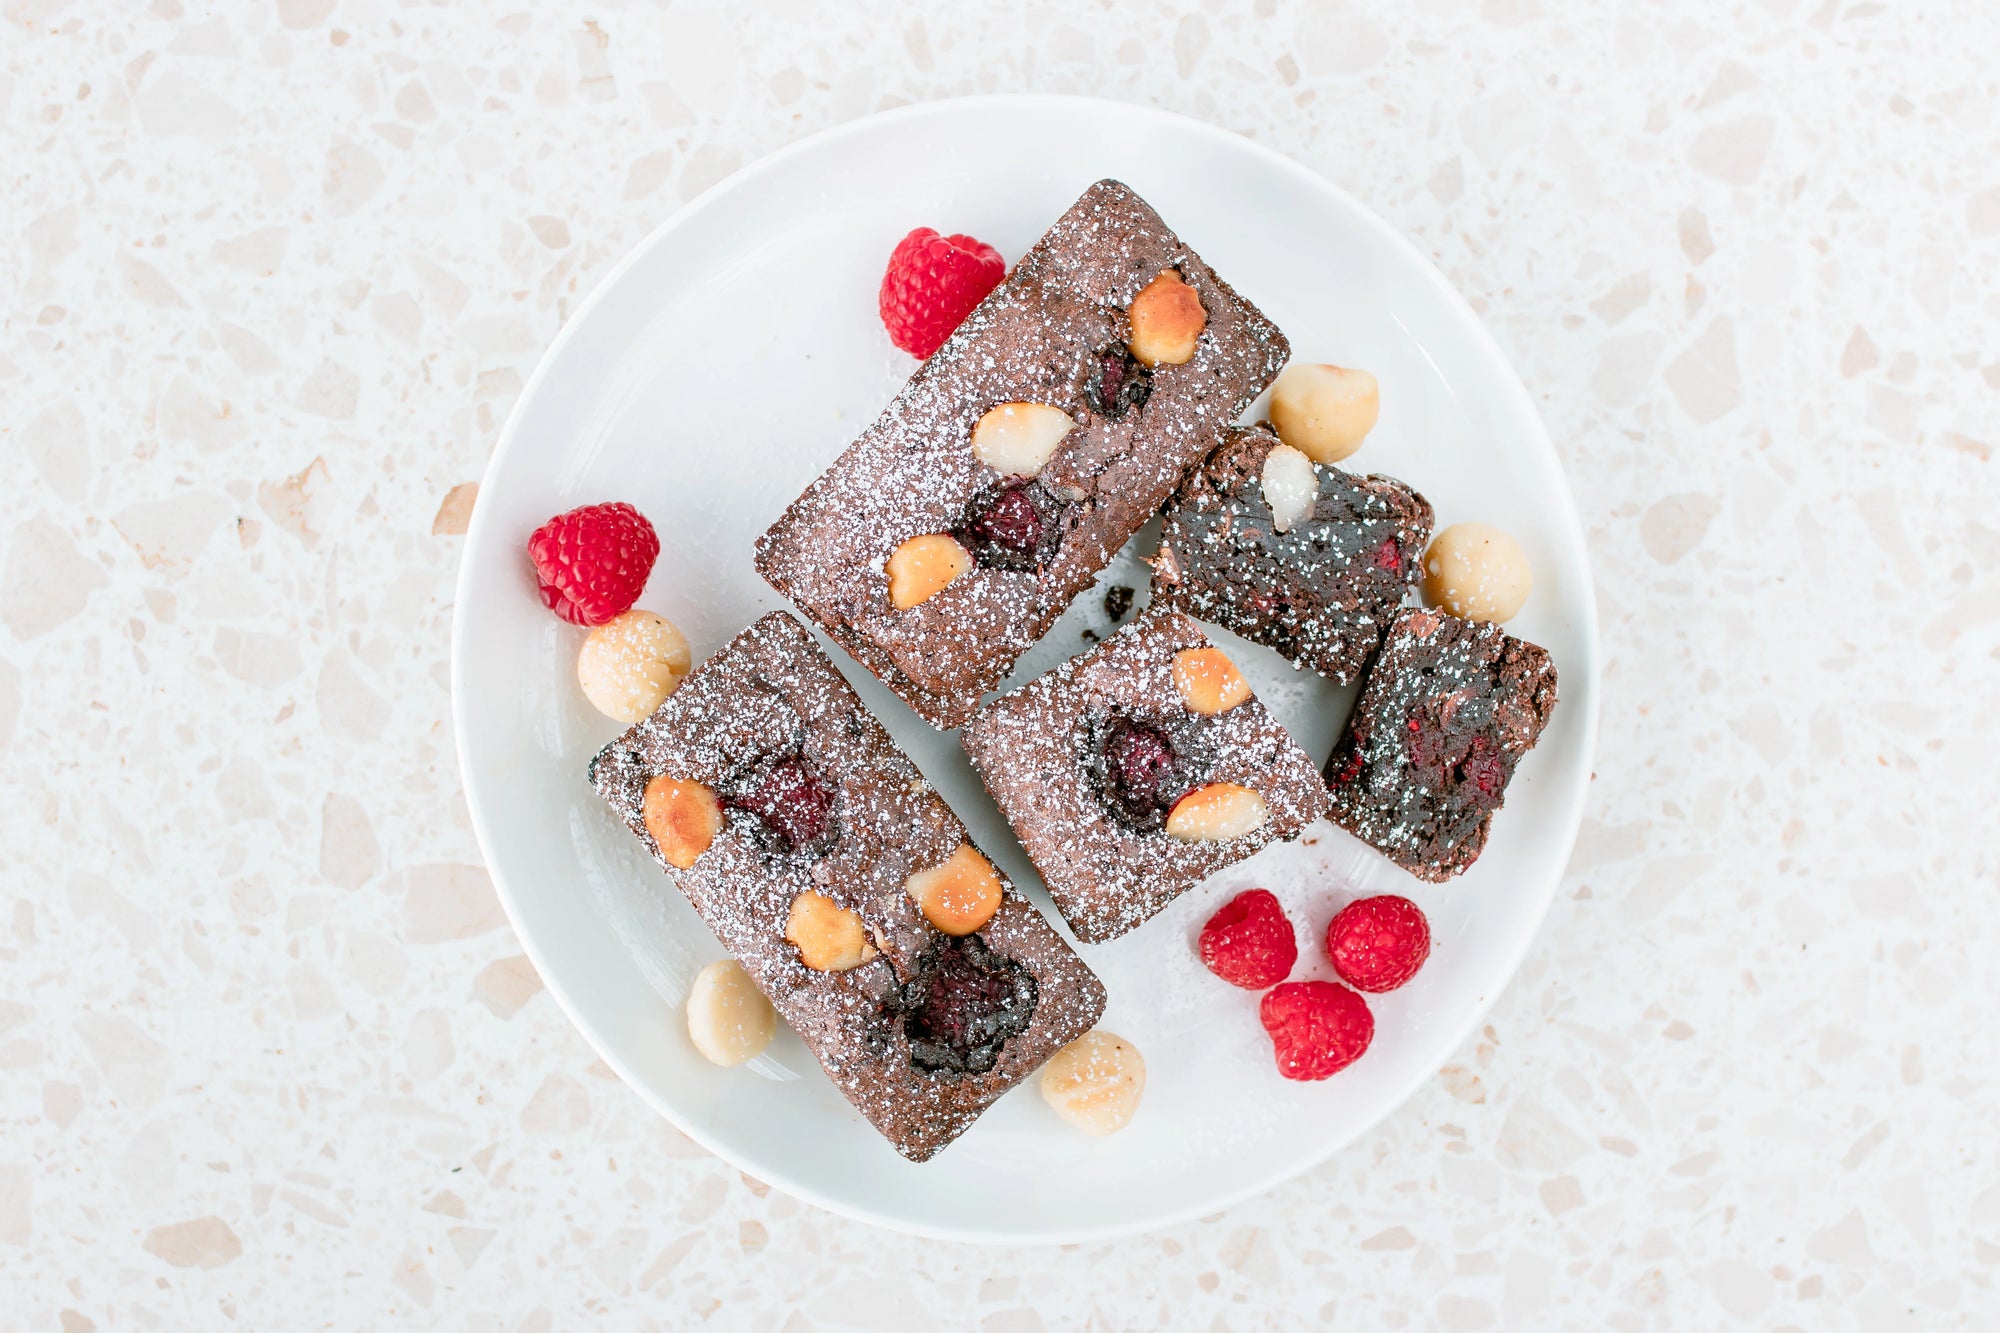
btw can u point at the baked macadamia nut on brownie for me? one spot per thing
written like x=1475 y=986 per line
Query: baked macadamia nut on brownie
x=925 y=984
x=1297 y=556
x=1139 y=769
x=1023 y=454
x=1446 y=712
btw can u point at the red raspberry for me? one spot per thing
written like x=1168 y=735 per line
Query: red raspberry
x=1378 y=943
x=591 y=563
x=1249 y=942
x=932 y=284
x=1317 y=1028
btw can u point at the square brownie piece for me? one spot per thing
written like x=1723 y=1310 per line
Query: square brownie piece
x=919 y=976
x=1021 y=457
x=1447 y=711
x=1323 y=591
x=1139 y=769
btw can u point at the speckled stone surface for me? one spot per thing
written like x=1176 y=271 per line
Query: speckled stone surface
x=269 y=1055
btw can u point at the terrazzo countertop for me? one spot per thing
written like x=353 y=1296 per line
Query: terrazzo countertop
x=275 y=272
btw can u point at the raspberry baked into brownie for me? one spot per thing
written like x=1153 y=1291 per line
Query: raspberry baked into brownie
x=923 y=982
x=1132 y=773
x=1023 y=454
x=1447 y=711
x=1309 y=560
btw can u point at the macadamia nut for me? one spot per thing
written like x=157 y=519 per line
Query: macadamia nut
x=923 y=567
x=1291 y=487
x=728 y=1018
x=1217 y=812
x=682 y=816
x=1095 y=1082
x=1324 y=412
x=1477 y=571
x=631 y=663
x=1018 y=439
x=829 y=937
x=1167 y=319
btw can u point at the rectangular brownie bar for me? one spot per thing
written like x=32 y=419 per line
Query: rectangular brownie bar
x=1139 y=769
x=919 y=976
x=1323 y=591
x=948 y=537
x=1447 y=711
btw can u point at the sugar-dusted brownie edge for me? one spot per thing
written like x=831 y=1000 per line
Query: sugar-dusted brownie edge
x=770 y=690
x=1032 y=750
x=1037 y=337
x=1445 y=714
x=1321 y=594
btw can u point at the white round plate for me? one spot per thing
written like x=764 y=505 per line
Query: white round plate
x=729 y=359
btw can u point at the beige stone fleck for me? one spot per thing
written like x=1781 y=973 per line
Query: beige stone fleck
x=46 y=581
x=1672 y=527
x=507 y=984
x=353 y=176
x=57 y=442
x=349 y=708
x=176 y=105
x=1860 y=353
x=559 y=1106
x=331 y=391
x=349 y=855
x=17 y=1203
x=169 y=534
x=299 y=504
x=448 y=902
x=1736 y=150
x=204 y=1242
x=1705 y=377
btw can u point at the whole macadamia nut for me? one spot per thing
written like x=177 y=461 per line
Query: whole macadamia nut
x=728 y=1018
x=1324 y=412
x=631 y=663
x=1095 y=1082
x=1477 y=571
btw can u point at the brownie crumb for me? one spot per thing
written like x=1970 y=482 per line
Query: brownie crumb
x=1117 y=602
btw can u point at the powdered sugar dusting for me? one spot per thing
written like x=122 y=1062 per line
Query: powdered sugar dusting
x=1038 y=338
x=772 y=693
x=1032 y=750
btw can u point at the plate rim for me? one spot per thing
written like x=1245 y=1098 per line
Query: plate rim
x=1571 y=819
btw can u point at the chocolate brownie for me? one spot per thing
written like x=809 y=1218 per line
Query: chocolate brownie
x=1139 y=769
x=1323 y=591
x=822 y=859
x=1031 y=528
x=1448 y=708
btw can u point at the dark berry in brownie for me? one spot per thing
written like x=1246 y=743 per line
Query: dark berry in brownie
x=1137 y=770
x=962 y=1005
x=1120 y=383
x=793 y=807
x=1015 y=526
x=1139 y=774
x=1448 y=709
x=1323 y=591
x=847 y=888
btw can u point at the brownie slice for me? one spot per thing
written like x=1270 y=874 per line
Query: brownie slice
x=1056 y=333
x=922 y=1029
x=1322 y=592
x=1448 y=708
x=1139 y=769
